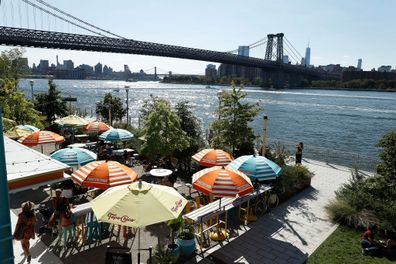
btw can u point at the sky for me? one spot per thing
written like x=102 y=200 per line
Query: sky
x=338 y=31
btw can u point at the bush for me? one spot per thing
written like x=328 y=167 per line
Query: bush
x=294 y=177
x=186 y=232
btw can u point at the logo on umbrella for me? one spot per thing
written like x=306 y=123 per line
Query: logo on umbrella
x=178 y=204
x=122 y=219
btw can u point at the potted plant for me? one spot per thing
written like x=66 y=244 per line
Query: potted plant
x=161 y=256
x=173 y=248
x=186 y=239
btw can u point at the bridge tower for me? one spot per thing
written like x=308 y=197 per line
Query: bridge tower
x=279 y=47
x=270 y=44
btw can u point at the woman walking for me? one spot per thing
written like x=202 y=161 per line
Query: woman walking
x=300 y=147
x=24 y=229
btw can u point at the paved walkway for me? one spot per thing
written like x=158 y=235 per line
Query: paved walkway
x=291 y=232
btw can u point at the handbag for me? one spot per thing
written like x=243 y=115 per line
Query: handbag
x=18 y=234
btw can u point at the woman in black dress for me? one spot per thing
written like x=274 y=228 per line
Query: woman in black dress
x=300 y=147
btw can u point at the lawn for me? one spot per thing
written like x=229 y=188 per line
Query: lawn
x=343 y=246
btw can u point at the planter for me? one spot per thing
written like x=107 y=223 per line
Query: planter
x=291 y=192
x=187 y=247
x=173 y=252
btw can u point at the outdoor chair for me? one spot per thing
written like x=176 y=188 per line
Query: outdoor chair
x=93 y=228
x=118 y=228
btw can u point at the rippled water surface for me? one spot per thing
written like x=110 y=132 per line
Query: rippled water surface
x=335 y=126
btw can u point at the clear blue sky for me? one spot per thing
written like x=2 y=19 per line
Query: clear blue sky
x=339 y=31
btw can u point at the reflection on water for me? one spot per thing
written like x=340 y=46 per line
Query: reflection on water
x=336 y=126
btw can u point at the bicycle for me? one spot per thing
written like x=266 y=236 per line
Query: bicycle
x=264 y=202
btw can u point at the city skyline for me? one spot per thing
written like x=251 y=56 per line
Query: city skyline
x=339 y=32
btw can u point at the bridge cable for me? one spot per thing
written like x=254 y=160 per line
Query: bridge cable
x=293 y=47
x=291 y=52
x=27 y=14
x=62 y=18
x=4 y=13
x=12 y=13
x=79 y=20
x=19 y=14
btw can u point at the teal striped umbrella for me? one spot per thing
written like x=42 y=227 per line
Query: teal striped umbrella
x=116 y=134
x=74 y=156
x=256 y=167
x=28 y=127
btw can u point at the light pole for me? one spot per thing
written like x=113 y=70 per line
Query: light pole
x=127 y=102
x=264 y=136
x=219 y=92
x=31 y=86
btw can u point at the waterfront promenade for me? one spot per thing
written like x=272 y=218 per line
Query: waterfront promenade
x=288 y=234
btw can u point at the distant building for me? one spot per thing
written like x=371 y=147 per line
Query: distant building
x=307 y=56
x=107 y=70
x=211 y=72
x=87 y=69
x=98 y=69
x=43 y=66
x=243 y=51
x=371 y=75
x=68 y=64
x=285 y=59
x=127 y=70
x=385 y=68
x=359 y=65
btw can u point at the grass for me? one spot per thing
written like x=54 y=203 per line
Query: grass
x=343 y=246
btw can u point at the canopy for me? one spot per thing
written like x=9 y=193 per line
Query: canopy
x=256 y=167
x=71 y=121
x=74 y=156
x=97 y=126
x=28 y=127
x=41 y=137
x=212 y=157
x=17 y=132
x=138 y=204
x=116 y=134
x=104 y=174
x=222 y=181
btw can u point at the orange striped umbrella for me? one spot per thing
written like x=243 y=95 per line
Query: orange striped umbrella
x=220 y=181
x=104 y=174
x=41 y=137
x=212 y=157
x=96 y=126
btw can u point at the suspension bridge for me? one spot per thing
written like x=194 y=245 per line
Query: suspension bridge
x=56 y=32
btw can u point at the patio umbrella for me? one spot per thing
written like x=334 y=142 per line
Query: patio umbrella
x=74 y=156
x=17 y=132
x=212 y=157
x=71 y=121
x=104 y=174
x=256 y=167
x=116 y=134
x=97 y=126
x=28 y=127
x=41 y=137
x=222 y=181
x=138 y=204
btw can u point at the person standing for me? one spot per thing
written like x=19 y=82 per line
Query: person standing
x=300 y=147
x=24 y=229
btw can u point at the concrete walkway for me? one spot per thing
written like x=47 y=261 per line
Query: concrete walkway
x=291 y=232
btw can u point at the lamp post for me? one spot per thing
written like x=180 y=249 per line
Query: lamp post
x=127 y=102
x=31 y=86
x=219 y=92
x=264 y=136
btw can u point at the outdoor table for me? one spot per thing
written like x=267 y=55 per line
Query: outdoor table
x=160 y=172
x=77 y=145
x=218 y=207
x=120 y=152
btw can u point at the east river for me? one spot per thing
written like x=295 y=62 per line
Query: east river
x=336 y=126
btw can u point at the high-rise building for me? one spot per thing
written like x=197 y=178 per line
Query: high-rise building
x=211 y=72
x=68 y=64
x=285 y=59
x=98 y=69
x=359 y=65
x=385 y=68
x=308 y=55
x=43 y=66
x=243 y=51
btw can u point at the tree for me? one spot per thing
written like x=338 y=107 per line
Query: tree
x=232 y=129
x=51 y=104
x=388 y=156
x=192 y=126
x=110 y=108
x=163 y=132
x=12 y=64
x=16 y=107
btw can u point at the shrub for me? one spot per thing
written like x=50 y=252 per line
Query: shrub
x=294 y=177
x=187 y=231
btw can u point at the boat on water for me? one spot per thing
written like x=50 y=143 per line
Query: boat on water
x=209 y=87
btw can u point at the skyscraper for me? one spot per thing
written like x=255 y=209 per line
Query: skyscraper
x=243 y=51
x=308 y=55
x=359 y=65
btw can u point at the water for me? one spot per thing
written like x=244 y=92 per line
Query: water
x=336 y=126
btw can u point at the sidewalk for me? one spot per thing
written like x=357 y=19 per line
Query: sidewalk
x=291 y=232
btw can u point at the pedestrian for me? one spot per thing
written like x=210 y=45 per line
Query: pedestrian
x=300 y=147
x=24 y=229
x=61 y=208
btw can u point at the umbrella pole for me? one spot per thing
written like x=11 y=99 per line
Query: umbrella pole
x=139 y=245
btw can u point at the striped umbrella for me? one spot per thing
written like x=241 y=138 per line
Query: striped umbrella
x=212 y=157
x=116 y=134
x=104 y=174
x=17 y=132
x=97 y=126
x=28 y=127
x=74 y=156
x=41 y=137
x=222 y=181
x=71 y=121
x=256 y=167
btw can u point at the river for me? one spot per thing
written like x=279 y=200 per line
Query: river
x=336 y=126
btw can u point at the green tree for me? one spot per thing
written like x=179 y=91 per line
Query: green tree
x=388 y=156
x=192 y=126
x=163 y=132
x=51 y=104
x=12 y=64
x=231 y=130
x=16 y=107
x=110 y=106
